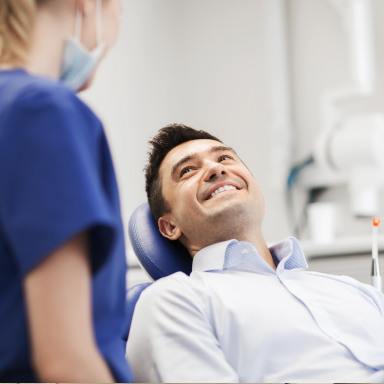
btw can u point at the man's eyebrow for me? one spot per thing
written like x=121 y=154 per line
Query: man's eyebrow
x=222 y=148
x=185 y=159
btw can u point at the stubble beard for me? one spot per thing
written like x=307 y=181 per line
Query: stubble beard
x=231 y=222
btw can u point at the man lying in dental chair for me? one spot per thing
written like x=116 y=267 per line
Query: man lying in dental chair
x=247 y=313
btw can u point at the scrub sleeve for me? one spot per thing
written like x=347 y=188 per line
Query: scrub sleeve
x=51 y=188
x=56 y=181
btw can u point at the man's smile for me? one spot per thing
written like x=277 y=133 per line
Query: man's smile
x=220 y=188
x=223 y=189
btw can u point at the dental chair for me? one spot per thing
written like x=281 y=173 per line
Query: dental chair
x=159 y=256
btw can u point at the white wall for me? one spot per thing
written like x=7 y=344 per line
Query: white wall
x=217 y=65
x=239 y=69
x=320 y=63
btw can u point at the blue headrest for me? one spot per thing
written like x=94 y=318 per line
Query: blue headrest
x=132 y=298
x=159 y=256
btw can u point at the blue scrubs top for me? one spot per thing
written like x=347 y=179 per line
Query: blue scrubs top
x=56 y=180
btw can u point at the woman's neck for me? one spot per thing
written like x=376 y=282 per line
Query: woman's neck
x=46 y=50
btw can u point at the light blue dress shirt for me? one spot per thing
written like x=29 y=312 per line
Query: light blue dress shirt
x=235 y=319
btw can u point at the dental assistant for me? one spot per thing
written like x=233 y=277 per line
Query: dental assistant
x=62 y=261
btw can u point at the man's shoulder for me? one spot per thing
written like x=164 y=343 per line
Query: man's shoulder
x=172 y=290
x=366 y=289
x=177 y=282
x=341 y=278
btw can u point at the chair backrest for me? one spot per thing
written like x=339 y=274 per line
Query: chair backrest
x=159 y=256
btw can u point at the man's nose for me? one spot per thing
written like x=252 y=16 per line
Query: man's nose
x=214 y=171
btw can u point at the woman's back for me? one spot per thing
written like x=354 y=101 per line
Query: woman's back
x=56 y=180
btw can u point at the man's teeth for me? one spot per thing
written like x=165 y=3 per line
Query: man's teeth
x=223 y=189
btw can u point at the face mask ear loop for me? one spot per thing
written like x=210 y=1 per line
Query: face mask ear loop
x=78 y=25
x=98 y=21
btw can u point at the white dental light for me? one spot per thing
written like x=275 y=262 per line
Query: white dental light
x=353 y=152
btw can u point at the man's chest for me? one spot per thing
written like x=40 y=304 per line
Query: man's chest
x=290 y=313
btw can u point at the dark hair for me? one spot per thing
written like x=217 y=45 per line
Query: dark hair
x=164 y=141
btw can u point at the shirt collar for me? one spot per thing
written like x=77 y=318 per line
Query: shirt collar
x=242 y=255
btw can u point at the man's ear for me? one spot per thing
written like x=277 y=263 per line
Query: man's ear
x=168 y=228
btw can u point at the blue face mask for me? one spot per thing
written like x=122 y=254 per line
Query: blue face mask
x=78 y=62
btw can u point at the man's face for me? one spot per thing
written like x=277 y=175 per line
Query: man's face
x=210 y=192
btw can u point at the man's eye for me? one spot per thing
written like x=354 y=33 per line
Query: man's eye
x=225 y=157
x=185 y=170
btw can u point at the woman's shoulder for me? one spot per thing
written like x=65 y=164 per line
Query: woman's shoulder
x=30 y=92
x=35 y=108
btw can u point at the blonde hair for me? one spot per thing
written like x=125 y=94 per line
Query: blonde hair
x=16 y=23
